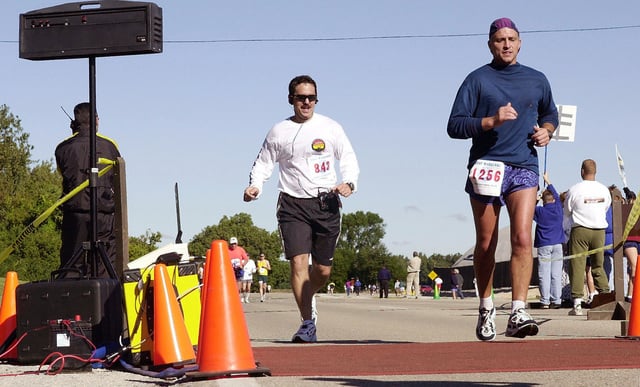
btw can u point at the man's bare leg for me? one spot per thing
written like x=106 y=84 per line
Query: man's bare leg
x=486 y=219
x=521 y=206
x=305 y=283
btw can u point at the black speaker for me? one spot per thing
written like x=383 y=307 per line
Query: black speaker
x=67 y=316
x=93 y=28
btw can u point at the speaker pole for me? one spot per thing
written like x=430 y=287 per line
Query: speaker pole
x=93 y=164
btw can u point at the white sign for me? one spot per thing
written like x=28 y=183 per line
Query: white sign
x=621 y=167
x=567 y=127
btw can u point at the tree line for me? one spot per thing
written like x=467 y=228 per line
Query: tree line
x=360 y=252
x=28 y=187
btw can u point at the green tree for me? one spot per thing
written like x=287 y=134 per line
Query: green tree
x=280 y=275
x=15 y=154
x=435 y=261
x=252 y=238
x=27 y=189
x=360 y=251
x=143 y=244
x=361 y=230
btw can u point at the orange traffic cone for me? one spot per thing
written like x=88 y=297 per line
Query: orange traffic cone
x=224 y=347
x=634 y=312
x=171 y=343
x=8 y=316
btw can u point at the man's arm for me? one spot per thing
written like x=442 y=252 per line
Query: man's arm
x=260 y=171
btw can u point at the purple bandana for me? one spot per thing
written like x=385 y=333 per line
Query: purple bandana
x=502 y=23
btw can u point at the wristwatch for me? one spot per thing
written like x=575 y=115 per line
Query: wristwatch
x=350 y=184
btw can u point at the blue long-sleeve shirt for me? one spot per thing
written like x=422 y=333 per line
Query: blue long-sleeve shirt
x=482 y=93
x=548 y=218
x=608 y=233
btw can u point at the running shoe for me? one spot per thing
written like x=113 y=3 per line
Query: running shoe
x=521 y=325
x=486 y=328
x=306 y=333
x=576 y=311
x=314 y=310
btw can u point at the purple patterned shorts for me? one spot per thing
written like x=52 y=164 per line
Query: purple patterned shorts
x=514 y=180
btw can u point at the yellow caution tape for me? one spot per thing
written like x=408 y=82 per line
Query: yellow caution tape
x=42 y=217
x=634 y=214
x=632 y=220
x=582 y=254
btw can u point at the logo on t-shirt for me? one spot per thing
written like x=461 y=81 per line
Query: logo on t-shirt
x=318 y=145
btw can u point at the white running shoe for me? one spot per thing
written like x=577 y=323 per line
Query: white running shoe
x=314 y=310
x=306 y=333
x=521 y=325
x=486 y=327
x=576 y=311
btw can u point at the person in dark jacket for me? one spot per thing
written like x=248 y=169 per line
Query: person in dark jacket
x=72 y=159
x=384 y=276
x=457 y=281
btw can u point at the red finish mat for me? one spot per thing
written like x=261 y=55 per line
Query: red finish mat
x=355 y=358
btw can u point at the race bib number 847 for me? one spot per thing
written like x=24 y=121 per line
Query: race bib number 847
x=321 y=168
x=486 y=177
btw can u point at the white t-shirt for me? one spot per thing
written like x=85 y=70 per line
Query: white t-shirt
x=587 y=203
x=249 y=268
x=306 y=154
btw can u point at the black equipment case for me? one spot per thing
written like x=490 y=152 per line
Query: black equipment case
x=65 y=315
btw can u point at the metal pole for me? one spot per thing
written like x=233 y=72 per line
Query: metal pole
x=93 y=164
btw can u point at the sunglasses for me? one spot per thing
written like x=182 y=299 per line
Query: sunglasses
x=303 y=98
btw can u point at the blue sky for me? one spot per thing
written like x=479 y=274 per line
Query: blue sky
x=197 y=113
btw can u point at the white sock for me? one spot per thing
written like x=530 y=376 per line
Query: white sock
x=486 y=303
x=517 y=304
x=577 y=302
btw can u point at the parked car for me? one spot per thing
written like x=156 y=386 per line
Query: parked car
x=426 y=290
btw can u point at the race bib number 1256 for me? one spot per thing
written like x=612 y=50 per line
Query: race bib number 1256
x=486 y=177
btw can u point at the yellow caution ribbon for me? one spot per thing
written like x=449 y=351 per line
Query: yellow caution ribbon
x=632 y=220
x=634 y=214
x=582 y=254
x=42 y=217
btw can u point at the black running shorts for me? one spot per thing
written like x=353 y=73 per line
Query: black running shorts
x=307 y=227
